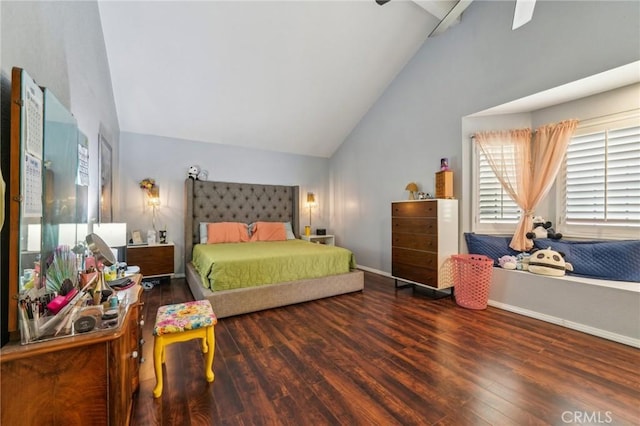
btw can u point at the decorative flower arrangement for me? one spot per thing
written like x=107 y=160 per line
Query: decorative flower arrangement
x=152 y=190
x=148 y=184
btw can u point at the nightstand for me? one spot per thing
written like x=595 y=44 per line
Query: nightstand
x=154 y=260
x=329 y=240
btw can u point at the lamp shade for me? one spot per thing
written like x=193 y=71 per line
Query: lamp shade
x=412 y=187
x=311 y=198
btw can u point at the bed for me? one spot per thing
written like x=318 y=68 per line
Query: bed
x=215 y=202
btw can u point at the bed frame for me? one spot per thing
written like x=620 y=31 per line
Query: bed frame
x=207 y=201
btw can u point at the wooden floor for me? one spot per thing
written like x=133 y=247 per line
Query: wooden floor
x=388 y=357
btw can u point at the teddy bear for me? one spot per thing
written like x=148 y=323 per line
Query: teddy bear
x=194 y=171
x=543 y=229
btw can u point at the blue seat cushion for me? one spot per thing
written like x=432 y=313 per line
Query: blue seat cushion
x=613 y=260
x=492 y=246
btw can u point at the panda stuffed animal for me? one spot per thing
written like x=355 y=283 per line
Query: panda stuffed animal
x=194 y=171
x=548 y=262
x=543 y=229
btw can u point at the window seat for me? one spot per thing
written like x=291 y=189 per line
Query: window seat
x=607 y=305
x=600 y=260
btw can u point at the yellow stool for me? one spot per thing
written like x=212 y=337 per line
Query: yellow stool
x=179 y=323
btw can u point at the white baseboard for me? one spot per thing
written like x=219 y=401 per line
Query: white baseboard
x=626 y=340
x=375 y=271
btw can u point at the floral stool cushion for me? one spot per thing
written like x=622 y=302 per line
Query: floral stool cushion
x=181 y=322
x=184 y=316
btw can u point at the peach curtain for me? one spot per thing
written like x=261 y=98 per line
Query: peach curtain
x=526 y=167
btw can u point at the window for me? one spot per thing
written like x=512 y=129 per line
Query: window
x=496 y=212
x=599 y=189
x=597 y=192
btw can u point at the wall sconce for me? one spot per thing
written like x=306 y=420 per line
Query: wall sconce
x=311 y=203
x=153 y=197
x=153 y=201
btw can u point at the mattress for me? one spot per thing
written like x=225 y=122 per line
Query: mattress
x=240 y=265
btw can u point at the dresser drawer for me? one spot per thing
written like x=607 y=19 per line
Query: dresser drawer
x=414 y=225
x=153 y=260
x=416 y=242
x=414 y=273
x=423 y=259
x=415 y=209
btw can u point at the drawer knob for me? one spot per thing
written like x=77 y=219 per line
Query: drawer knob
x=141 y=322
x=142 y=341
x=134 y=354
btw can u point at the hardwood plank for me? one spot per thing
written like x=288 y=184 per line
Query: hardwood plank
x=385 y=356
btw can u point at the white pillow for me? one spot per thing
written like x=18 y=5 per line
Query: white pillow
x=203 y=233
x=289 y=230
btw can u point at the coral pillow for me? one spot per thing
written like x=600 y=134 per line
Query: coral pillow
x=268 y=231
x=227 y=232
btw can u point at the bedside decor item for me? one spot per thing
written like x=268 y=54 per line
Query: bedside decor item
x=321 y=231
x=136 y=237
x=444 y=184
x=311 y=203
x=412 y=187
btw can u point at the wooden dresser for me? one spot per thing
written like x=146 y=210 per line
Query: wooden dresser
x=424 y=234
x=78 y=380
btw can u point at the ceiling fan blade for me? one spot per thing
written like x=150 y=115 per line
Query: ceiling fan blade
x=523 y=13
x=381 y=2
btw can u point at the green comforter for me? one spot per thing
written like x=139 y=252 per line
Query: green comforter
x=236 y=265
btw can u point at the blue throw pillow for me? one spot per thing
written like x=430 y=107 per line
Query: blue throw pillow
x=492 y=246
x=613 y=260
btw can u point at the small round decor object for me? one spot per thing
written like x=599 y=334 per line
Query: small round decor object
x=84 y=324
x=110 y=314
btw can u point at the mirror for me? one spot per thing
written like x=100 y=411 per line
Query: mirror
x=101 y=251
x=48 y=204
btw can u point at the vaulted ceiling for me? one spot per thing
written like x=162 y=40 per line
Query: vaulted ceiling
x=289 y=76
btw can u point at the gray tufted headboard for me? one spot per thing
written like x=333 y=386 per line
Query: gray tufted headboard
x=236 y=202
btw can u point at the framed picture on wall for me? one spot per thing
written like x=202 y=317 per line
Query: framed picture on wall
x=105 y=211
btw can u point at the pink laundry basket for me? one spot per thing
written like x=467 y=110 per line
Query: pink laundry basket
x=472 y=279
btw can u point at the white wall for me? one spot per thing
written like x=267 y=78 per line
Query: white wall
x=60 y=45
x=167 y=160
x=477 y=64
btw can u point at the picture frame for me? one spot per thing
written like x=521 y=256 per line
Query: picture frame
x=136 y=237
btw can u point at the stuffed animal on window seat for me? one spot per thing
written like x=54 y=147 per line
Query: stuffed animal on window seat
x=548 y=262
x=508 y=262
x=543 y=229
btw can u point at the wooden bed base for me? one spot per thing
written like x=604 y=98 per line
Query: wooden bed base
x=237 y=202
